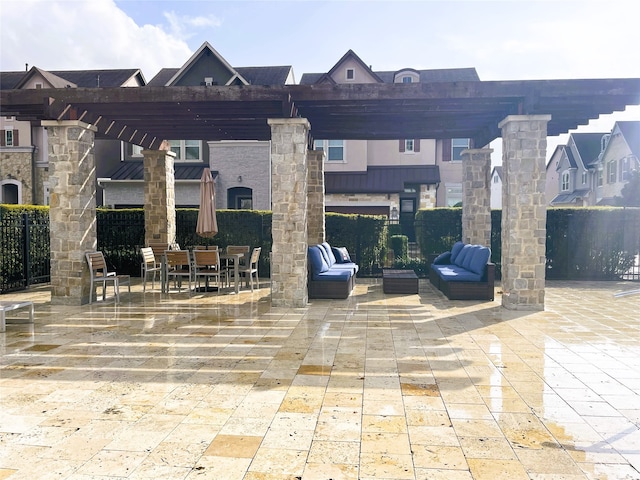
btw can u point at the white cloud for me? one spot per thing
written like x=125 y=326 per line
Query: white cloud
x=73 y=35
x=182 y=25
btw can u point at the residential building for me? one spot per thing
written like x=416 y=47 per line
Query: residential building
x=24 y=162
x=592 y=168
x=390 y=177
x=496 y=188
x=241 y=169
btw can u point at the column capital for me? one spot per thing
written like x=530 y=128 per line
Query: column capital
x=524 y=118
x=69 y=123
x=289 y=121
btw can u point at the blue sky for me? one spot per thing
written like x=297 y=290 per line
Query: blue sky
x=503 y=40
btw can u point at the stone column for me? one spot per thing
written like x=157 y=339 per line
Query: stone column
x=159 y=197
x=289 y=199
x=476 y=196
x=315 y=194
x=524 y=211
x=72 y=214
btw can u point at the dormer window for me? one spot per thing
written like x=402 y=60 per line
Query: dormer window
x=208 y=81
x=407 y=80
x=407 y=75
x=350 y=74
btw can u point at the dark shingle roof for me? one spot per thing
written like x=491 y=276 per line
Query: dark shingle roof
x=82 y=78
x=253 y=75
x=8 y=80
x=588 y=145
x=134 y=170
x=426 y=76
x=379 y=179
x=631 y=132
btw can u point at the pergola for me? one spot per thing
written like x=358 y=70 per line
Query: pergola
x=523 y=113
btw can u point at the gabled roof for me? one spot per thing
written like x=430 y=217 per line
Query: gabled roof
x=631 y=133
x=207 y=49
x=76 y=78
x=276 y=75
x=380 y=179
x=426 y=76
x=498 y=171
x=588 y=146
x=134 y=170
x=52 y=79
x=569 y=197
x=570 y=157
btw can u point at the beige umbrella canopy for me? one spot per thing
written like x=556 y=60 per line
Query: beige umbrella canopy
x=207 y=225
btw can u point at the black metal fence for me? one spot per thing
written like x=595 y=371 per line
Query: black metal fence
x=24 y=250
x=582 y=244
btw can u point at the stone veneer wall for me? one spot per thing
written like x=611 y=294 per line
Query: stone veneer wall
x=72 y=178
x=289 y=140
x=427 y=196
x=159 y=197
x=476 y=196
x=316 y=232
x=16 y=161
x=524 y=211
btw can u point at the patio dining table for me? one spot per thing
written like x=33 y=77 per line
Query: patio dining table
x=223 y=256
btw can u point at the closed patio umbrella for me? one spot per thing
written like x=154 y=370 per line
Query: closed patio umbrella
x=207 y=225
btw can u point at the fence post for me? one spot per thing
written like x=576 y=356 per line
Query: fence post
x=26 y=264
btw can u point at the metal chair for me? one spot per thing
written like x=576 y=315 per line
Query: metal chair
x=229 y=266
x=178 y=266
x=149 y=265
x=101 y=275
x=250 y=270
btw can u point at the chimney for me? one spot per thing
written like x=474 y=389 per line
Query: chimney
x=26 y=67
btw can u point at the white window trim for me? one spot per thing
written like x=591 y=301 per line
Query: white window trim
x=407 y=142
x=180 y=158
x=453 y=146
x=325 y=147
x=565 y=181
x=612 y=167
x=353 y=74
x=8 y=132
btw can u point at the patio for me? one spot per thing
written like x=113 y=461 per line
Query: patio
x=375 y=386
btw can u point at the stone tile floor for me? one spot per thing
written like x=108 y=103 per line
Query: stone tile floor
x=376 y=386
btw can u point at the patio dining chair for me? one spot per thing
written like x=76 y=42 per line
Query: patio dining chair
x=100 y=275
x=178 y=265
x=149 y=265
x=206 y=265
x=250 y=270
x=229 y=262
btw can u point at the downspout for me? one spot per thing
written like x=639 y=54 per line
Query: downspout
x=33 y=174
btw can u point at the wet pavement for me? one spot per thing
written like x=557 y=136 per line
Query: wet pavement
x=222 y=386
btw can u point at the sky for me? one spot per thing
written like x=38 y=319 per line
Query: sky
x=502 y=40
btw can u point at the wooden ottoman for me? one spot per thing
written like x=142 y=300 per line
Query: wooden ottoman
x=399 y=281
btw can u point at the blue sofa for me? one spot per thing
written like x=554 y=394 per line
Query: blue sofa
x=331 y=273
x=464 y=273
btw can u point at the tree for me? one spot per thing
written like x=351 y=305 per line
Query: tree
x=631 y=190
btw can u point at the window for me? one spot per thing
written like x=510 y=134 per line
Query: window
x=565 y=182
x=186 y=150
x=408 y=145
x=350 y=74
x=611 y=172
x=334 y=149
x=496 y=179
x=407 y=80
x=453 y=194
x=584 y=177
x=457 y=146
x=137 y=151
x=600 y=178
x=8 y=137
x=626 y=167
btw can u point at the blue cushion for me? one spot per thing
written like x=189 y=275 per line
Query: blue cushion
x=333 y=276
x=324 y=254
x=317 y=261
x=479 y=260
x=443 y=259
x=341 y=254
x=454 y=273
x=345 y=266
x=327 y=248
x=466 y=263
x=459 y=259
x=455 y=250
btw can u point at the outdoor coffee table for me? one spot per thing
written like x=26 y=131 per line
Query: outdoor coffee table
x=8 y=306
x=399 y=281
